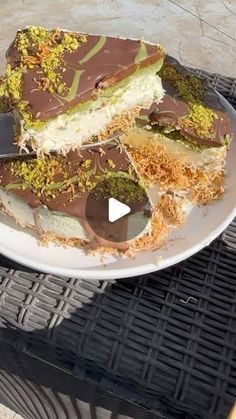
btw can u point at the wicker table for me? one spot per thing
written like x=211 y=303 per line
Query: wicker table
x=156 y=346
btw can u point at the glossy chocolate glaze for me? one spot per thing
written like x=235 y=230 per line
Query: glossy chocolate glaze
x=169 y=112
x=113 y=60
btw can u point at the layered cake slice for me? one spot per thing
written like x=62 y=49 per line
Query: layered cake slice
x=64 y=199
x=66 y=87
x=190 y=107
x=50 y=194
x=180 y=144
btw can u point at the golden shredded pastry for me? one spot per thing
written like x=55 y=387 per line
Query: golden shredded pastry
x=46 y=238
x=171 y=210
x=157 y=167
x=206 y=186
x=121 y=123
x=152 y=239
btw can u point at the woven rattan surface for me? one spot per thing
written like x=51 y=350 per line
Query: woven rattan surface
x=164 y=339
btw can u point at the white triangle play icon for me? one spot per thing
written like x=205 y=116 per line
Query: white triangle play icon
x=116 y=210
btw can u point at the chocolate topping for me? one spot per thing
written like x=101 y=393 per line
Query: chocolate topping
x=173 y=112
x=97 y=63
x=97 y=164
x=94 y=162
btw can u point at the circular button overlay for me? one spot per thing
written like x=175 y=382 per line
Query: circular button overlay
x=118 y=209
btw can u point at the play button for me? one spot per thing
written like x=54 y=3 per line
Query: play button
x=116 y=210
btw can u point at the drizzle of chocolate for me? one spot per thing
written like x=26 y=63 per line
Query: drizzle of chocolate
x=173 y=108
x=88 y=73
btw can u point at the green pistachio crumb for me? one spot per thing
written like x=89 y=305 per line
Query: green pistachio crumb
x=38 y=34
x=190 y=88
x=121 y=186
x=22 y=43
x=14 y=82
x=227 y=140
x=11 y=83
x=37 y=174
x=86 y=164
x=44 y=49
x=201 y=118
x=111 y=163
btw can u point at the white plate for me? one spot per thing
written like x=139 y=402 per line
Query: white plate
x=201 y=228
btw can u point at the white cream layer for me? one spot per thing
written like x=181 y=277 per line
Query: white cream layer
x=69 y=131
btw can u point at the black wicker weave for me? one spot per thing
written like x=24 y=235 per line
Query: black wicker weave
x=156 y=346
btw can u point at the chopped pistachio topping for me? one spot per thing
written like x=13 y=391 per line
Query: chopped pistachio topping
x=14 y=82
x=86 y=164
x=202 y=117
x=38 y=34
x=10 y=83
x=51 y=176
x=37 y=174
x=3 y=87
x=111 y=163
x=29 y=38
x=40 y=48
x=188 y=86
x=199 y=116
x=22 y=107
x=122 y=187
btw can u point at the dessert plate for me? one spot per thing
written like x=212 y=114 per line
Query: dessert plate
x=202 y=227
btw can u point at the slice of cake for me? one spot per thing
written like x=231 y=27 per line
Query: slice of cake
x=64 y=199
x=180 y=144
x=50 y=194
x=191 y=108
x=175 y=169
x=66 y=87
